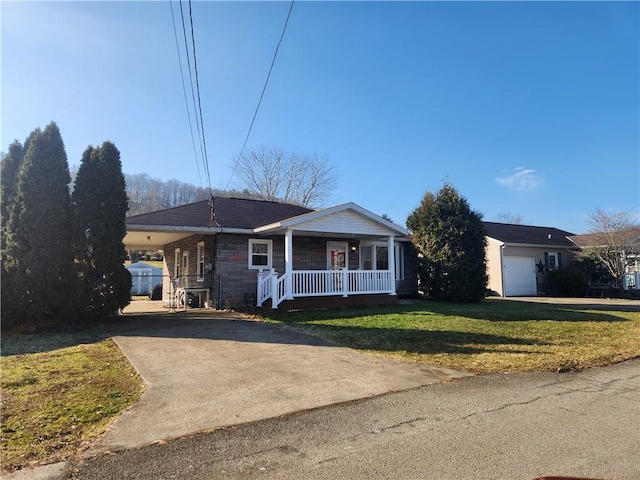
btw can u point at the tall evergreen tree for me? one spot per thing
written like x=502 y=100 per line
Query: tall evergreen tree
x=451 y=238
x=38 y=247
x=8 y=184
x=100 y=206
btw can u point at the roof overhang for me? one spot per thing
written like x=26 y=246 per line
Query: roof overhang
x=342 y=221
x=156 y=237
x=535 y=245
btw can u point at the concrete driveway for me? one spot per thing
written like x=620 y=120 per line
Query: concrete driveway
x=215 y=369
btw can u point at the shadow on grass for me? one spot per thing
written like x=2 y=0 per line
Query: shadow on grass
x=22 y=344
x=489 y=310
x=420 y=341
x=522 y=311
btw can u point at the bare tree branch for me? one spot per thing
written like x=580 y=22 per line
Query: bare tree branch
x=613 y=241
x=299 y=179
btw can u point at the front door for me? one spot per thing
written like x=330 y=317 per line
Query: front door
x=337 y=261
x=337 y=256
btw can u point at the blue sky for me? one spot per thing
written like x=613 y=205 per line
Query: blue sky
x=527 y=108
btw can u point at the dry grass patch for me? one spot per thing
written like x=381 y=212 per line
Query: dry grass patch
x=493 y=336
x=59 y=393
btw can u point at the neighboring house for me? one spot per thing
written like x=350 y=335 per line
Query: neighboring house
x=628 y=243
x=520 y=256
x=144 y=277
x=249 y=252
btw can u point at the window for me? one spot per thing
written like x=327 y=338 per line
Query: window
x=376 y=257
x=185 y=267
x=177 y=270
x=382 y=257
x=366 y=256
x=554 y=261
x=260 y=252
x=200 y=262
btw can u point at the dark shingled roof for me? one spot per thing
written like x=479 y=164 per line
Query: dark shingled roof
x=598 y=239
x=230 y=213
x=529 y=235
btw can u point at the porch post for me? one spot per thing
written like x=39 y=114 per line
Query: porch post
x=288 y=263
x=392 y=263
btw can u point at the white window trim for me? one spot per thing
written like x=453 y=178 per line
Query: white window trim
x=398 y=257
x=185 y=266
x=555 y=257
x=177 y=267
x=338 y=246
x=200 y=262
x=260 y=241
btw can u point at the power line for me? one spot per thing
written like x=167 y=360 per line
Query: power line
x=255 y=114
x=198 y=117
x=184 y=91
x=195 y=68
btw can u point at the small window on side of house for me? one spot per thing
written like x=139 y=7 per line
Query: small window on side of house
x=260 y=253
x=177 y=265
x=200 y=264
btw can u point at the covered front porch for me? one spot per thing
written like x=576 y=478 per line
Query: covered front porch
x=323 y=283
x=363 y=260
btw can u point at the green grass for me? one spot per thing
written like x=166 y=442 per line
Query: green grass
x=59 y=393
x=493 y=336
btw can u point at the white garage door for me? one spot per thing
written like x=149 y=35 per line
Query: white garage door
x=519 y=276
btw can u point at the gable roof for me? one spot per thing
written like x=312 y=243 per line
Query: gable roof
x=528 y=235
x=236 y=213
x=347 y=217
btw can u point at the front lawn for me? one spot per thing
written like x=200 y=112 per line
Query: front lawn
x=59 y=393
x=492 y=336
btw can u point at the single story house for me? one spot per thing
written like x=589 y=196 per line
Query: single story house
x=520 y=256
x=628 y=244
x=144 y=277
x=232 y=252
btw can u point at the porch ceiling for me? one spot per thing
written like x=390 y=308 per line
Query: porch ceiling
x=151 y=240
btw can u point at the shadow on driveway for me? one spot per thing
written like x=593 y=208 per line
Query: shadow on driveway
x=209 y=325
x=218 y=369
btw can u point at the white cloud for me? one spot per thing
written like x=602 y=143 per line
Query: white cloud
x=521 y=179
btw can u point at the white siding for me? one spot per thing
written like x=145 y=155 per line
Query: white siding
x=494 y=266
x=342 y=222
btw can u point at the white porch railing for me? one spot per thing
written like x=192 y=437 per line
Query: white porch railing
x=265 y=285
x=317 y=283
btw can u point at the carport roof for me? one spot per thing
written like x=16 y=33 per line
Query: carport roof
x=155 y=230
x=528 y=235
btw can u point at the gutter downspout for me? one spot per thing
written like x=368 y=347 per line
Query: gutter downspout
x=502 y=292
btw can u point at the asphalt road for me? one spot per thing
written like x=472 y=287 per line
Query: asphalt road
x=501 y=426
